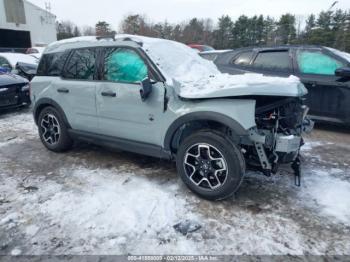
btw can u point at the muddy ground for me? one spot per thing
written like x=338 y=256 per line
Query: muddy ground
x=95 y=201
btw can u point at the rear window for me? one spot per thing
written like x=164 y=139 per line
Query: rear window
x=81 y=65
x=277 y=60
x=52 y=64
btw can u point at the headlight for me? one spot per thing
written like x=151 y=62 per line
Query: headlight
x=25 y=88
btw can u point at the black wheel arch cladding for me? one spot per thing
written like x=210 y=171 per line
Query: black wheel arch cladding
x=202 y=116
x=46 y=102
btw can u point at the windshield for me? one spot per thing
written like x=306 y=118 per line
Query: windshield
x=179 y=61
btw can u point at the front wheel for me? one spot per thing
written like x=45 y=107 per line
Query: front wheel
x=210 y=165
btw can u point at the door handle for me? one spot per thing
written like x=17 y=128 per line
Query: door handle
x=109 y=93
x=63 y=90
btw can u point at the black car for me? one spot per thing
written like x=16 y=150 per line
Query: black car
x=324 y=71
x=14 y=91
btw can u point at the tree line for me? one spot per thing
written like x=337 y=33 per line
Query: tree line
x=329 y=28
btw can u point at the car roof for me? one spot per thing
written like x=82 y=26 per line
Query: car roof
x=89 y=41
x=14 y=58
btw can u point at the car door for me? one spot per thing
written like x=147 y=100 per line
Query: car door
x=328 y=96
x=75 y=91
x=121 y=111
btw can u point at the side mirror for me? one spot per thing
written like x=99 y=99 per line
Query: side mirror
x=343 y=72
x=146 y=88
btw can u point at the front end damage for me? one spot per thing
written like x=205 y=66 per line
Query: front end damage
x=277 y=137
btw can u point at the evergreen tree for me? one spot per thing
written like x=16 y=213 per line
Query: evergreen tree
x=223 y=35
x=286 y=31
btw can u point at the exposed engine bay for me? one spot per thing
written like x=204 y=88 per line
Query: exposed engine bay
x=277 y=137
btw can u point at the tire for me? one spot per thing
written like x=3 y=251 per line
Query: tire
x=53 y=131
x=194 y=150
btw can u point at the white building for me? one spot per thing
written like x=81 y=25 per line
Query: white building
x=23 y=25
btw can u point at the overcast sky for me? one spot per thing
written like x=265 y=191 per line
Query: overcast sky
x=88 y=12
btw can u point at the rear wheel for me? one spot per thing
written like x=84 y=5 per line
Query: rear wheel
x=53 y=130
x=210 y=165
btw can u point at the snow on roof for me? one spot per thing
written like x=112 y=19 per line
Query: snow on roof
x=14 y=58
x=344 y=55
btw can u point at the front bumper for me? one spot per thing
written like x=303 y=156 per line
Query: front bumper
x=12 y=100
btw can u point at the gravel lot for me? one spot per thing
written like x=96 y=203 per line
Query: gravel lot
x=95 y=201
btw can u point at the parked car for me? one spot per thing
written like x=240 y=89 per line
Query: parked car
x=159 y=98
x=212 y=55
x=325 y=72
x=201 y=48
x=35 y=51
x=19 y=64
x=14 y=91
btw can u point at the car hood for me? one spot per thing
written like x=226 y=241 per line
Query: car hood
x=225 y=85
x=11 y=79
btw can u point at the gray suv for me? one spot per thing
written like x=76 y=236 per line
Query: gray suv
x=160 y=98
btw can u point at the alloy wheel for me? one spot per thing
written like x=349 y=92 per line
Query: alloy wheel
x=205 y=166
x=50 y=128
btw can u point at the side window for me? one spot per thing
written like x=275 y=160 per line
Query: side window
x=276 y=60
x=243 y=59
x=124 y=65
x=81 y=65
x=315 y=62
x=52 y=64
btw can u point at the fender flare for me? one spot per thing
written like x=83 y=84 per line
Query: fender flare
x=48 y=102
x=204 y=115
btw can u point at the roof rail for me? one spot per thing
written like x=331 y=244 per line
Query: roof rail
x=105 y=37
x=127 y=38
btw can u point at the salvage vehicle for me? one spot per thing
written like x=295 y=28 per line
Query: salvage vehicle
x=159 y=98
x=14 y=91
x=19 y=64
x=325 y=72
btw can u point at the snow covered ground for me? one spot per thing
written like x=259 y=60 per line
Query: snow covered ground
x=94 y=201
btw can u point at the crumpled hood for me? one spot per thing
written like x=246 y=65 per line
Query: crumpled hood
x=225 y=85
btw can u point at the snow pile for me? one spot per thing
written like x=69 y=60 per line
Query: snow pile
x=113 y=212
x=331 y=194
x=15 y=128
x=118 y=208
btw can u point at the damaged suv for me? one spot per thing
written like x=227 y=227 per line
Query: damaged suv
x=159 y=98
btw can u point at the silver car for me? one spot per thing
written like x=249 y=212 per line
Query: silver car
x=160 y=98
